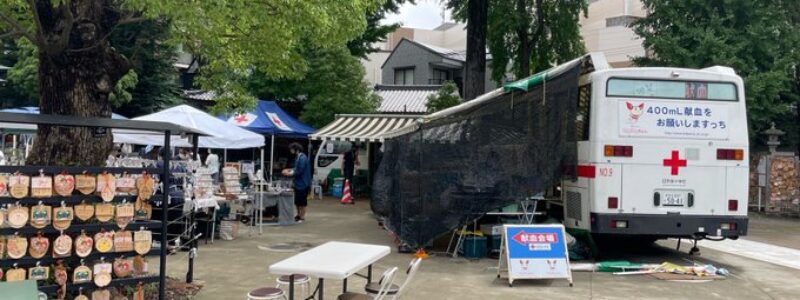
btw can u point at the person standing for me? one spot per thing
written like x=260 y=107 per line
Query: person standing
x=302 y=180
x=349 y=165
x=212 y=163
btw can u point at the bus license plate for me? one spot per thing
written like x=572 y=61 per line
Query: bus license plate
x=673 y=198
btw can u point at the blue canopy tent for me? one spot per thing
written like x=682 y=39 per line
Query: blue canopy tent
x=269 y=119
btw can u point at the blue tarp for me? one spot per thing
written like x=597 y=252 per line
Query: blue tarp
x=269 y=118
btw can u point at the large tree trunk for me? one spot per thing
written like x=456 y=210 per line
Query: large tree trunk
x=75 y=78
x=524 y=51
x=475 y=70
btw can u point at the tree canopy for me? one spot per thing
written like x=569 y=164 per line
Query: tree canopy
x=375 y=31
x=757 y=38
x=530 y=35
x=79 y=65
x=447 y=96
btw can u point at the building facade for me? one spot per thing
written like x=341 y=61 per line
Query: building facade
x=606 y=29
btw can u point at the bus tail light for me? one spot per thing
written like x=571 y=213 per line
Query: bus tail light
x=728 y=226
x=730 y=154
x=733 y=205
x=613 y=202
x=615 y=150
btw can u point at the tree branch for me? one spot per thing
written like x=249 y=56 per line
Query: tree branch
x=18 y=28
x=39 y=29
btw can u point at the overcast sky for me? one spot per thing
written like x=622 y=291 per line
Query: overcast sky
x=426 y=14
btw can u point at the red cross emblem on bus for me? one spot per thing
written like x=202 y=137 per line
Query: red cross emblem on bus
x=674 y=162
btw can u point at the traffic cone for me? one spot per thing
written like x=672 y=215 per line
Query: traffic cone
x=346 y=197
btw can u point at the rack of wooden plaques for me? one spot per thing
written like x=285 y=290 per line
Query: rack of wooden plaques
x=92 y=225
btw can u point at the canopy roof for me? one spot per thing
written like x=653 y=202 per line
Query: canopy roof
x=30 y=128
x=269 y=118
x=362 y=128
x=221 y=135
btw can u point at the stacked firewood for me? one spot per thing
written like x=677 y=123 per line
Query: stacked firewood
x=784 y=184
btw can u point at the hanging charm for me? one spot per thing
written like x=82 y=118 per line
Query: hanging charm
x=64 y=184
x=85 y=183
x=102 y=273
x=102 y=294
x=3 y=186
x=39 y=246
x=81 y=274
x=139 y=294
x=62 y=216
x=84 y=211
x=123 y=241
x=80 y=295
x=107 y=186
x=124 y=215
x=17 y=216
x=17 y=246
x=146 y=186
x=18 y=185
x=2 y=219
x=16 y=274
x=143 y=241
x=104 y=241
x=139 y=265
x=62 y=246
x=2 y=250
x=126 y=184
x=104 y=212
x=41 y=215
x=144 y=211
x=61 y=277
x=41 y=186
x=122 y=267
x=39 y=272
x=83 y=245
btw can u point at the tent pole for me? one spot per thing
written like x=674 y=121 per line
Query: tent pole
x=271 y=157
x=224 y=156
x=261 y=196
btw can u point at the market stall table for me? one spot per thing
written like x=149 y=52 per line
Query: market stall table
x=332 y=260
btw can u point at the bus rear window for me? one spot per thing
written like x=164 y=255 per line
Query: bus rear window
x=672 y=89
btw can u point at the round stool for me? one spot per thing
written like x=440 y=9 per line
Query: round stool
x=300 y=280
x=266 y=293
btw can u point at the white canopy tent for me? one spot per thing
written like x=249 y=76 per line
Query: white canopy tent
x=221 y=135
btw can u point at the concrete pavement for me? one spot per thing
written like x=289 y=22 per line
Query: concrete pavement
x=231 y=268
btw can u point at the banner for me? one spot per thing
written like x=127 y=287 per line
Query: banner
x=676 y=119
x=535 y=252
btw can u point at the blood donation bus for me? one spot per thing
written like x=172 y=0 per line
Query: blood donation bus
x=663 y=152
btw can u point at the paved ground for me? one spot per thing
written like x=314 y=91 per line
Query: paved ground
x=230 y=268
x=776 y=231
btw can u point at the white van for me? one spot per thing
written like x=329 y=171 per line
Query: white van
x=331 y=157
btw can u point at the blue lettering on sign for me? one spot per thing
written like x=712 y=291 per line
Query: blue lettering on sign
x=687 y=111
x=660 y=123
x=670 y=122
x=698 y=111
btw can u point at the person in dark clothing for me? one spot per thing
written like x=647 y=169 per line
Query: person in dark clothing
x=349 y=164
x=302 y=180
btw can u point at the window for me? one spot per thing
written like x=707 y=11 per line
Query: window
x=583 y=113
x=672 y=89
x=439 y=76
x=404 y=76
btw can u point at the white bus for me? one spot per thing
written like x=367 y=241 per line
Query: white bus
x=662 y=152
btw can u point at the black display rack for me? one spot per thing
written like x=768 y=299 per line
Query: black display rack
x=105 y=125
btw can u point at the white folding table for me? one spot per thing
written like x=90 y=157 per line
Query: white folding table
x=332 y=260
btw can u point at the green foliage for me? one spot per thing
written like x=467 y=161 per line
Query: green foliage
x=447 y=96
x=235 y=36
x=334 y=84
x=530 y=35
x=756 y=38
x=375 y=31
x=23 y=82
x=122 y=91
x=147 y=45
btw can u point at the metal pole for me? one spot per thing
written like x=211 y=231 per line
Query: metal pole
x=162 y=288
x=261 y=195
x=193 y=225
x=271 y=157
x=224 y=156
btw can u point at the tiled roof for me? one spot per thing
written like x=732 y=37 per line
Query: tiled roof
x=404 y=98
x=198 y=95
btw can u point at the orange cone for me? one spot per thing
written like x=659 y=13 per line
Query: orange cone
x=346 y=197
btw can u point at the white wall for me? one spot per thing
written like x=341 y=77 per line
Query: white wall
x=619 y=43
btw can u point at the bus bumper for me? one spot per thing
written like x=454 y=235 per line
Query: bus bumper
x=670 y=225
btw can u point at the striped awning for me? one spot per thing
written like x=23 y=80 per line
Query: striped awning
x=362 y=128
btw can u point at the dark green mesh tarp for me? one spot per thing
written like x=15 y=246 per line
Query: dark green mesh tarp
x=455 y=168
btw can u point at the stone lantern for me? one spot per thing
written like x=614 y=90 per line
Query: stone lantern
x=773 y=138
